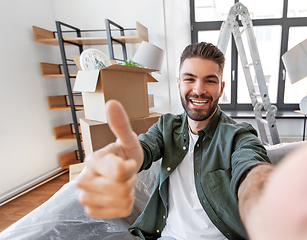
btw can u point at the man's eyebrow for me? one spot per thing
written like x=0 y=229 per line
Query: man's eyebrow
x=212 y=76
x=206 y=77
x=188 y=74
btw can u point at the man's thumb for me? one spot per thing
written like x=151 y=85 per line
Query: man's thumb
x=118 y=121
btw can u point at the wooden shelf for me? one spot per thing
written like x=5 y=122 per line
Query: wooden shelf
x=62 y=102
x=52 y=70
x=65 y=132
x=46 y=36
x=69 y=159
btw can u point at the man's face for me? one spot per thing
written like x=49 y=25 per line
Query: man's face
x=200 y=86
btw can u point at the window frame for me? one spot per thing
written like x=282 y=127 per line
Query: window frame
x=285 y=23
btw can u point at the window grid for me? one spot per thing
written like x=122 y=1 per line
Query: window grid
x=284 y=22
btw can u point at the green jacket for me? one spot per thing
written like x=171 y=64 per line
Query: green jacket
x=224 y=151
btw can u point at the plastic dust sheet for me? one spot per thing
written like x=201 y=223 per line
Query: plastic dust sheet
x=63 y=217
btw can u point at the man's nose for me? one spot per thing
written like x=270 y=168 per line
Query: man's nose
x=199 y=87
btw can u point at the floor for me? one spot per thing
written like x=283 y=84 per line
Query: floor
x=19 y=207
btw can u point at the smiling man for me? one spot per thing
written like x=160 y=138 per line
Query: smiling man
x=200 y=85
x=211 y=166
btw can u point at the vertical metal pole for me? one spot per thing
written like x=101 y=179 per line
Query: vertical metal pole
x=122 y=33
x=109 y=38
x=69 y=89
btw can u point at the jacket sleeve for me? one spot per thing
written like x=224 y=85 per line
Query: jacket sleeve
x=248 y=152
x=152 y=144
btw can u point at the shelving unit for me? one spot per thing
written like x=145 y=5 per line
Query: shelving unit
x=61 y=102
x=65 y=132
x=69 y=159
x=48 y=37
x=52 y=70
x=72 y=100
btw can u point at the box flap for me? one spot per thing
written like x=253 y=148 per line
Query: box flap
x=117 y=67
x=76 y=59
x=151 y=78
x=86 y=81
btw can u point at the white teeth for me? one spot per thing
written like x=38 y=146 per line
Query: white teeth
x=198 y=102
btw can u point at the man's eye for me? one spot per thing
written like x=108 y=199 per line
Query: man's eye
x=188 y=79
x=212 y=81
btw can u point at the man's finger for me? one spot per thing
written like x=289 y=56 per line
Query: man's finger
x=112 y=167
x=102 y=185
x=119 y=123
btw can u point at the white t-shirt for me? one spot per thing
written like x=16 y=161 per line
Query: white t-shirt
x=187 y=218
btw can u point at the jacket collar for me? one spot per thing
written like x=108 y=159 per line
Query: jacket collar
x=208 y=130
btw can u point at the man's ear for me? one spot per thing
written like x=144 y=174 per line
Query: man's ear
x=222 y=88
x=178 y=82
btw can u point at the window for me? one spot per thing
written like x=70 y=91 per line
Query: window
x=264 y=9
x=295 y=92
x=297 y=8
x=278 y=26
x=268 y=43
x=211 y=10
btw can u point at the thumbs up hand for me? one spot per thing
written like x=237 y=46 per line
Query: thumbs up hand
x=107 y=183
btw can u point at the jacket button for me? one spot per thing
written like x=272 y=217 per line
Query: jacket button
x=184 y=148
x=168 y=169
x=158 y=231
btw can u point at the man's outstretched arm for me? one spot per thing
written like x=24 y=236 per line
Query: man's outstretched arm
x=107 y=183
x=273 y=199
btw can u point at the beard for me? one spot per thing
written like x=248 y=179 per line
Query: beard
x=199 y=114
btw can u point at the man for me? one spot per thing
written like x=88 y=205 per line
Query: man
x=212 y=168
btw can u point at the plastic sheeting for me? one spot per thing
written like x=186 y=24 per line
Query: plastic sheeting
x=63 y=217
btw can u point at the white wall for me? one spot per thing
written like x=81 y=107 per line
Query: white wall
x=27 y=145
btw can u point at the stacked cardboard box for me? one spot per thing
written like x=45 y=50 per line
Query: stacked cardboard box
x=126 y=84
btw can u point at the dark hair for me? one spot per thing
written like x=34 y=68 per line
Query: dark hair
x=203 y=50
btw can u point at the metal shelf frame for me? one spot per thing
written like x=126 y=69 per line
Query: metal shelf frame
x=65 y=64
x=73 y=110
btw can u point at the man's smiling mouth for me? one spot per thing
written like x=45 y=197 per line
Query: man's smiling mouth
x=198 y=102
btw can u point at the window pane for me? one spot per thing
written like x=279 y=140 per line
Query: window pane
x=297 y=8
x=295 y=92
x=264 y=9
x=268 y=43
x=212 y=10
x=212 y=37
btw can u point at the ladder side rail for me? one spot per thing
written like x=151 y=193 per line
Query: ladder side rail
x=270 y=109
x=251 y=39
x=246 y=69
x=225 y=32
x=245 y=65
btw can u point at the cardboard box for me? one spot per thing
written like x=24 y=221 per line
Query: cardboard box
x=126 y=84
x=75 y=170
x=96 y=134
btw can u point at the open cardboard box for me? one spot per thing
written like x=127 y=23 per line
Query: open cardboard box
x=126 y=84
x=96 y=134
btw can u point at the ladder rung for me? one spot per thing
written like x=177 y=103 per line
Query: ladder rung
x=248 y=65
x=263 y=121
